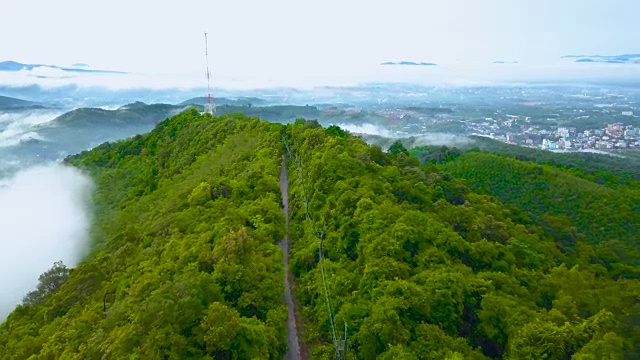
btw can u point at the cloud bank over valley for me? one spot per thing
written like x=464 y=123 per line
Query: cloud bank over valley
x=44 y=218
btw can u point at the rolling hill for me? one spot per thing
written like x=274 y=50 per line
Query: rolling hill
x=135 y=113
x=9 y=103
x=411 y=261
x=242 y=101
x=602 y=213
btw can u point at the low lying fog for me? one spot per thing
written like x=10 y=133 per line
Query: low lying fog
x=18 y=126
x=44 y=217
x=450 y=140
x=366 y=128
x=434 y=138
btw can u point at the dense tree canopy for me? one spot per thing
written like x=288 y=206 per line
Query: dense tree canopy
x=615 y=167
x=185 y=228
x=421 y=266
x=469 y=256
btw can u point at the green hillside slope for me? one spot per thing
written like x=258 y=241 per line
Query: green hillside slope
x=9 y=103
x=273 y=113
x=600 y=213
x=185 y=262
x=609 y=169
x=132 y=114
x=413 y=262
x=421 y=268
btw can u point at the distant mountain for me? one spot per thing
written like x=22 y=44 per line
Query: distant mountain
x=74 y=96
x=134 y=105
x=6 y=101
x=141 y=114
x=276 y=113
x=137 y=113
x=242 y=101
x=606 y=59
x=9 y=103
x=77 y=68
x=250 y=106
x=38 y=137
x=409 y=63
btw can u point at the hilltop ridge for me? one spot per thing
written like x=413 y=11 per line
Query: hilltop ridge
x=10 y=103
x=418 y=263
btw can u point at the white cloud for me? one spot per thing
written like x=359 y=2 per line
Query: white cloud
x=23 y=125
x=44 y=217
x=45 y=71
x=316 y=39
x=438 y=139
x=366 y=128
x=255 y=76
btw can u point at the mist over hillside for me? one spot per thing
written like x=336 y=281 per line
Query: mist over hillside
x=44 y=218
x=377 y=135
x=39 y=137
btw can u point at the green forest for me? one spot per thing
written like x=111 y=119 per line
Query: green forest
x=618 y=166
x=425 y=253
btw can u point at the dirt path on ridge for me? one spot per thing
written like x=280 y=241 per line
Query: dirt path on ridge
x=292 y=332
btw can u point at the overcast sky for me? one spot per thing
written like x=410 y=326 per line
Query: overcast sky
x=300 y=38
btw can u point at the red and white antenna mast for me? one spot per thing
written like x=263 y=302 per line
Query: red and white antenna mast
x=210 y=108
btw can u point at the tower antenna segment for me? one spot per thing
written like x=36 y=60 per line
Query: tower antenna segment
x=210 y=108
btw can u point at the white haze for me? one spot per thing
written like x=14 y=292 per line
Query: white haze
x=442 y=139
x=255 y=76
x=420 y=139
x=410 y=141
x=367 y=128
x=18 y=126
x=44 y=218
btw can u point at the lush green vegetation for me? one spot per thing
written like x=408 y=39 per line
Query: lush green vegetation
x=274 y=113
x=591 y=196
x=418 y=264
x=619 y=168
x=560 y=201
x=435 y=154
x=608 y=168
x=184 y=262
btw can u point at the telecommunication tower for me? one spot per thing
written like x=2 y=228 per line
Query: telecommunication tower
x=210 y=107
